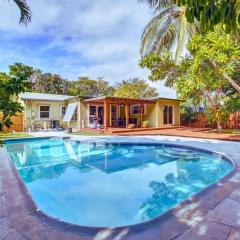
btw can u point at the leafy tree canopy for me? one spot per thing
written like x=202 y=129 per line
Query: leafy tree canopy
x=209 y=13
x=207 y=74
x=11 y=85
x=49 y=83
x=217 y=51
x=135 y=88
x=85 y=86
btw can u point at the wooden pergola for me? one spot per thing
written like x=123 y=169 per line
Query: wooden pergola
x=107 y=101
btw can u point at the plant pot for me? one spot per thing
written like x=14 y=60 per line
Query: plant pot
x=131 y=126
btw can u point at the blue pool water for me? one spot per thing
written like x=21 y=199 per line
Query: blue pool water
x=111 y=185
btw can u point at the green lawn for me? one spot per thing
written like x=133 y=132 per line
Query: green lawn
x=14 y=135
x=87 y=133
x=227 y=131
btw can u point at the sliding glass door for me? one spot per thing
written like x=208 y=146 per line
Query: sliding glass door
x=168 y=115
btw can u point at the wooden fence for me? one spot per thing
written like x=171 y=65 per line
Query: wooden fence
x=17 y=125
x=202 y=122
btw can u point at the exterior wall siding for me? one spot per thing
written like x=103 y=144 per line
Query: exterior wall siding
x=32 y=113
x=83 y=114
x=154 y=113
x=176 y=111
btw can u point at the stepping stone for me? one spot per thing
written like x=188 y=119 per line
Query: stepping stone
x=227 y=212
x=234 y=234
x=206 y=231
x=14 y=235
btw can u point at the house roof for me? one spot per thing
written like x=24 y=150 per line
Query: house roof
x=163 y=98
x=60 y=98
x=44 y=97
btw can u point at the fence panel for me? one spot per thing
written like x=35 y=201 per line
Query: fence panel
x=17 y=125
x=201 y=122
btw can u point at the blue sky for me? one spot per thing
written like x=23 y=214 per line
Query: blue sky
x=78 y=38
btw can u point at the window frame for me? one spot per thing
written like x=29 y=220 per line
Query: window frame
x=61 y=111
x=168 y=113
x=49 y=112
x=139 y=113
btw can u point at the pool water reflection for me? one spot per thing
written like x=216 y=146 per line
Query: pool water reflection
x=95 y=184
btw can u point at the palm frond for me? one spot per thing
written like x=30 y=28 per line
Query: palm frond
x=182 y=36
x=158 y=31
x=166 y=42
x=25 y=11
x=158 y=4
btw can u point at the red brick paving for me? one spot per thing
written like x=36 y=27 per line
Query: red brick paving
x=186 y=132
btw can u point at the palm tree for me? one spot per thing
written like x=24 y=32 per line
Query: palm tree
x=168 y=30
x=25 y=11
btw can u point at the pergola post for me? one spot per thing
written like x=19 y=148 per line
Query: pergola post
x=141 y=117
x=127 y=114
x=106 y=115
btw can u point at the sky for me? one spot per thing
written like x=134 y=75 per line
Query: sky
x=78 y=38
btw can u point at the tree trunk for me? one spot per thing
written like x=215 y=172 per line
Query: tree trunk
x=219 y=126
x=226 y=77
x=232 y=82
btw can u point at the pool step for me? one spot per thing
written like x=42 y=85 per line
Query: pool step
x=182 y=153
x=177 y=156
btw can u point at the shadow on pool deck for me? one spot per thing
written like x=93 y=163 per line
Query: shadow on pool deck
x=212 y=214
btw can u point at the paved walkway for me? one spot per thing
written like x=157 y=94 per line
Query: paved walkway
x=186 y=132
x=214 y=214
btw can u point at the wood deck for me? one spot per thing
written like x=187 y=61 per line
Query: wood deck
x=115 y=130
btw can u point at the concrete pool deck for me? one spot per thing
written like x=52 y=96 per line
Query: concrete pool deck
x=212 y=214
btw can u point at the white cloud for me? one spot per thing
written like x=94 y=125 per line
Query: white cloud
x=74 y=38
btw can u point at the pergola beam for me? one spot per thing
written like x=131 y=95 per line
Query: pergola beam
x=127 y=114
x=106 y=114
x=142 y=113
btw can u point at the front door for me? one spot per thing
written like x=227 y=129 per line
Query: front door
x=96 y=116
x=168 y=115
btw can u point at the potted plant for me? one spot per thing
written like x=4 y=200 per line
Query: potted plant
x=131 y=126
x=146 y=124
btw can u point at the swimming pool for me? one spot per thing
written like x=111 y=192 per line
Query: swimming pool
x=98 y=184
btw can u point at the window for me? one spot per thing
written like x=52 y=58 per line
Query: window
x=63 y=110
x=44 y=112
x=136 y=109
x=92 y=114
x=92 y=110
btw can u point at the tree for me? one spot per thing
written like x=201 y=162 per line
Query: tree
x=206 y=74
x=25 y=11
x=218 y=50
x=135 y=88
x=211 y=13
x=85 y=86
x=11 y=85
x=49 y=83
x=166 y=28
